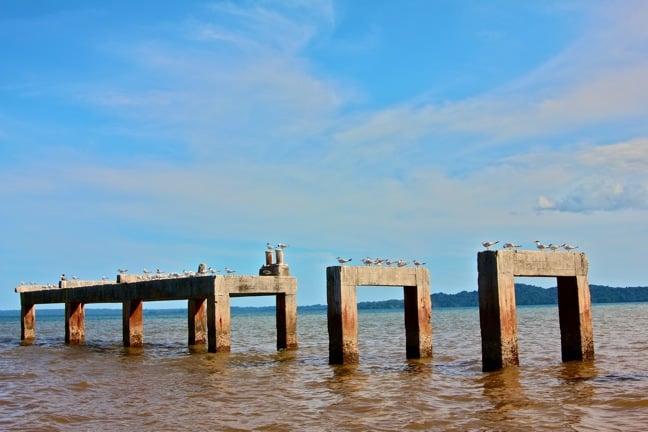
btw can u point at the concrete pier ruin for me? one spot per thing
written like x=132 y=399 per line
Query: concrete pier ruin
x=341 y=284
x=208 y=305
x=497 y=310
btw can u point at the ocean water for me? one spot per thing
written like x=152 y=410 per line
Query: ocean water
x=168 y=386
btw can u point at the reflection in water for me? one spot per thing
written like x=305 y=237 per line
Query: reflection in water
x=505 y=392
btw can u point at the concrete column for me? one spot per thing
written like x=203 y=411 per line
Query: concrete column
x=133 y=323
x=74 y=323
x=27 y=322
x=575 y=315
x=197 y=321
x=219 y=320
x=342 y=315
x=286 y=311
x=418 y=327
x=497 y=314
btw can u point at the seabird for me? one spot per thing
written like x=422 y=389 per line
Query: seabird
x=511 y=245
x=417 y=263
x=401 y=263
x=567 y=247
x=540 y=245
x=488 y=244
x=368 y=261
x=212 y=270
x=282 y=246
x=63 y=277
x=343 y=260
x=269 y=246
x=553 y=247
x=122 y=271
x=229 y=270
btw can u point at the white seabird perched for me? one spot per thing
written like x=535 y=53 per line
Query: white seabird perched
x=540 y=245
x=488 y=244
x=511 y=245
x=343 y=260
x=123 y=271
x=282 y=245
x=417 y=263
x=401 y=263
x=229 y=270
x=567 y=247
x=212 y=270
x=553 y=247
x=63 y=277
x=368 y=261
x=269 y=246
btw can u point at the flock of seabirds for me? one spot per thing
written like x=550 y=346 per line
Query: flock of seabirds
x=487 y=244
x=210 y=271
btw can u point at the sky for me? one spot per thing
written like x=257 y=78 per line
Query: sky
x=167 y=134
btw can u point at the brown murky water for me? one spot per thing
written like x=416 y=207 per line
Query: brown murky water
x=166 y=386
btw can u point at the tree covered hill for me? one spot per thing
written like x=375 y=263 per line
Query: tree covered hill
x=525 y=295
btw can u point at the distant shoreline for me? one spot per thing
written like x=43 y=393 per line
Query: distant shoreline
x=526 y=295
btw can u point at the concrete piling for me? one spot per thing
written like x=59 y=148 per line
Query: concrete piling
x=27 y=322
x=133 y=322
x=342 y=312
x=197 y=321
x=497 y=309
x=74 y=323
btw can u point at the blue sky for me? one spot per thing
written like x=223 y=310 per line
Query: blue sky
x=166 y=134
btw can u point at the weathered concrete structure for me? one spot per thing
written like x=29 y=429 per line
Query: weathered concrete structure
x=208 y=306
x=497 y=312
x=341 y=283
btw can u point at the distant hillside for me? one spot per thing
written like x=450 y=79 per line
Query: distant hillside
x=525 y=295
